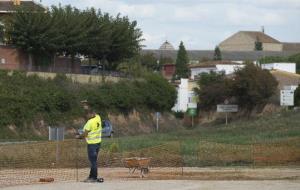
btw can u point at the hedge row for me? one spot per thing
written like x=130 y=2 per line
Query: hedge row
x=24 y=99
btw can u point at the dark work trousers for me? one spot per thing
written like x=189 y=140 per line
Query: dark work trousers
x=93 y=150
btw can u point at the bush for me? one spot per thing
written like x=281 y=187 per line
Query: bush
x=213 y=89
x=179 y=114
x=253 y=86
x=24 y=99
x=151 y=93
x=250 y=87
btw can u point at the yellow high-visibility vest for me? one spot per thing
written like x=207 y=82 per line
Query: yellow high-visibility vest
x=94 y=127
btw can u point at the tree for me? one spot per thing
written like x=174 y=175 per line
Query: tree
x=158 y=93
x=1 y=32
x=253 y=86
x=35 y=33
x=217 y=54
x=213 y=88
x=125 y=41
x=149 y=61
x=295 y=59
x=69 y=31
x=133 y=67
x=258 y=45
x=74 y=26
x=182 y=70
x=297 y=96
x=99 y=35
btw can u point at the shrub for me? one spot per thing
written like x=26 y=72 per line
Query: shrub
x=253 y=86
x=24 y=99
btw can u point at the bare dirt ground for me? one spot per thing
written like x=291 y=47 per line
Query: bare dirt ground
x=157 y=179
x=167 y=184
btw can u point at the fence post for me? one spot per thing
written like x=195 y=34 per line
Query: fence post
x=77 y=144
x=252 y=153
x=182 y=157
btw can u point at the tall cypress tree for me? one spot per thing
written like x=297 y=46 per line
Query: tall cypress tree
x=217 y=54
x=182 y=70
x=258 y=45
x=1 y=33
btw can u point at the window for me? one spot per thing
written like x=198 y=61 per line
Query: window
x=2 y=61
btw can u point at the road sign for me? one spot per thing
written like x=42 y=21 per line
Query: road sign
x=227 y=108
x=287 y=97
x=292 y=87
x=192 y=105
x=192 y=111
x=157 y=114
x=56 y=133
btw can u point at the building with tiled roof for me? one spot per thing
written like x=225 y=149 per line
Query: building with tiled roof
x=228 y=67
x=166 y=46
x=9 y=6
x=245 y=41
x=198 y=55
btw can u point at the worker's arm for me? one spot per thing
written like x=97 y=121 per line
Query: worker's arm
x=86 y=130
x=83 y=135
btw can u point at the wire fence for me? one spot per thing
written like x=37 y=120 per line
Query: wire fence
x=67 y=160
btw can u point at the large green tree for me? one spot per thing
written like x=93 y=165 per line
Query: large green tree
x=253 y=86
x=182 y=60
x=74 y=28
x=250 y=87
x=99 y=35
x=125 y=41
x=213 y=88
x=35 y=32
x=71 y=32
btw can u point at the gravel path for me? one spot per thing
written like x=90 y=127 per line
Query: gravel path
x=167 y=184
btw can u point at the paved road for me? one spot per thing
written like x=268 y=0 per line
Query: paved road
x=167 y=184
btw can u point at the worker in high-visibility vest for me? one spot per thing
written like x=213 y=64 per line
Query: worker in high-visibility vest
x=92 y=132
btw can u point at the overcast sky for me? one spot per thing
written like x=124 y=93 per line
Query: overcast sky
x=201 y=24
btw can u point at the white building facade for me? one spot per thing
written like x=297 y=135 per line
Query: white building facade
x=185 y=96
x=226 y=68
x=287 y=67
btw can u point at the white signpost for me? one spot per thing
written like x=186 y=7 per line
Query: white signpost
x=157 y=114
x=287 y=97
x=192 y=110
x=226 y=108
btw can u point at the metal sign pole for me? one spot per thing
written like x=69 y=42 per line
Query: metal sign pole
x=157 y=114
x=226 y=119
x=57 y=145
x=192 y=121
x=156 y=123
x=77 y=159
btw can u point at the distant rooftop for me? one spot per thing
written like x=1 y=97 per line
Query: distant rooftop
x=166 y=46
x=261 y=36
x=9 y=6
x=213 y=64
x=226 y=55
